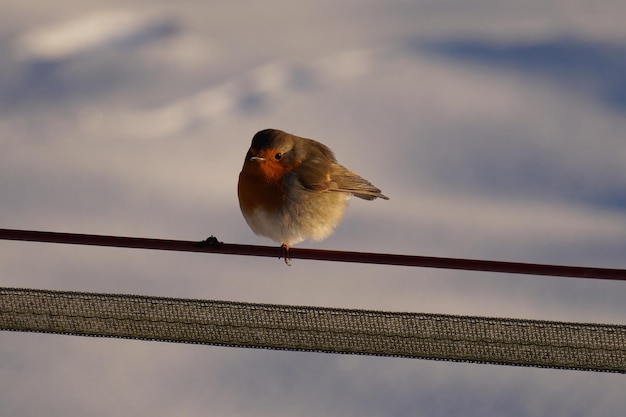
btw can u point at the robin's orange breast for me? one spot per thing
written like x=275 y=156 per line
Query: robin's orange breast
x=261 y=182
x=260 y=189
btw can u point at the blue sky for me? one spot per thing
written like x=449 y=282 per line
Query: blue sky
x=497 y=130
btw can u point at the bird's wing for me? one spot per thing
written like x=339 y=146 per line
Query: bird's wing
x=342 y=179
x=314 y=173
x=319 y=171
x=319 y=175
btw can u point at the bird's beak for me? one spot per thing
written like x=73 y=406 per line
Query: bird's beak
x=252 y=158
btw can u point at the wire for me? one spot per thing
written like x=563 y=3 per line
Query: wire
x=212 y=245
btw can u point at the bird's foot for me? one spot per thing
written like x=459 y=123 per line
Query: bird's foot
x=284 y=253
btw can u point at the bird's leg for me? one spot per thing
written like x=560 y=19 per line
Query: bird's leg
x=284 y=253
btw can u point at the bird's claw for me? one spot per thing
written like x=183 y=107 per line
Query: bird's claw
x=284 y=253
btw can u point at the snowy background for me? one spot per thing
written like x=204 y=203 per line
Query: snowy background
x=497 y=129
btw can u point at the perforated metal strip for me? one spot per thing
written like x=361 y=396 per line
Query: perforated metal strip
x=591 y=347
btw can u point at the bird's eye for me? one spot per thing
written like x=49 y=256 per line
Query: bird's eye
x=278 y=156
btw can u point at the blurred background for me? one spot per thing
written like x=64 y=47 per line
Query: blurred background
x=498 y=131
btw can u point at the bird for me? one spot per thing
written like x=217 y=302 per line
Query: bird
x=292 y=189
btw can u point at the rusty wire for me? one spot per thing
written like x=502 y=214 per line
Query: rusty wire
x=212 y=245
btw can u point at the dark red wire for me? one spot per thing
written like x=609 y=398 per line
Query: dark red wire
x=214 y=246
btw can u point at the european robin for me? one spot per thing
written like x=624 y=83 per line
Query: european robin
x=291 y=188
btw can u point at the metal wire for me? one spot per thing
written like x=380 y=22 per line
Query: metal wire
x=212 y=245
